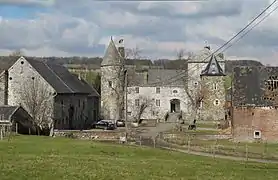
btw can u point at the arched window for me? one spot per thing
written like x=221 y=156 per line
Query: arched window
x=175 y=91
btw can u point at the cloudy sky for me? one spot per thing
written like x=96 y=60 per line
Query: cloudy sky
x=158 y=28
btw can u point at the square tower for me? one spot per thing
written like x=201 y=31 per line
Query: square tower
x=213 y=91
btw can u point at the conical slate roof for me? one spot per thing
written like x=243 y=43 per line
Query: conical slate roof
x=213 y=68
x=111 y=56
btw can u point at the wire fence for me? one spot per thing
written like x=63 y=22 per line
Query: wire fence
x=260 y=151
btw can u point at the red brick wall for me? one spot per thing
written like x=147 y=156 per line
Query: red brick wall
x=246 y=120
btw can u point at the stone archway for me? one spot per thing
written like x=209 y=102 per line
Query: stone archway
x=175 y=105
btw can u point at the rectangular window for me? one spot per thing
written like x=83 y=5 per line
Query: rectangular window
x=157 y=102
x=110 y=83
x=201 y=104
x=157 y=90
x=136 y=102
x=214 y=86
x=137 y=90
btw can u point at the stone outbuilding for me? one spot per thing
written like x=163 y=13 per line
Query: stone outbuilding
x=18 y=119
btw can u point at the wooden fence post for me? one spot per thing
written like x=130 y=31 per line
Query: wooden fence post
x=246 y=152
x=2 y=134
x=188 y=145
x=16 y=128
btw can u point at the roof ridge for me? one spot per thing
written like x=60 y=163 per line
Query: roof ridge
x=58 y=77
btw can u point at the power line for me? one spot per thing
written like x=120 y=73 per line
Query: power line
x=266 y=16
x=242 y=30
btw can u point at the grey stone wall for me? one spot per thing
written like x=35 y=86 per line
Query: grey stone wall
x=164 y=97
x=111 y=97
x=213 y=106
x=24 y=80
x=91 y=134
x=75 y=111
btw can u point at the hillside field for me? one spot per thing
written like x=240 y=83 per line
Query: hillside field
x=44 y=158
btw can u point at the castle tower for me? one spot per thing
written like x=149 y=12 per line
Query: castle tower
x=213 y=91
x=112 y=83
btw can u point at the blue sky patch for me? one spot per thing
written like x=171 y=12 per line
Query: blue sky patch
x=20 y=12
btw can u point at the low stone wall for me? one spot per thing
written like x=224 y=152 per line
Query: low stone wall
x=90 y=134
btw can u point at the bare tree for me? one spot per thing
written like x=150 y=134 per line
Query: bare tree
x=180 y=54
x=38 y=100
x=144 y=104
x=17 y=53
x=133 y=53
x=196 y=92
x=196 y=95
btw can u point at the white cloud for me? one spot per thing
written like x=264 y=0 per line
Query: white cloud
x=158 y=28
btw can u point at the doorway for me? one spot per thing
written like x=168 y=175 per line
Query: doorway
x=174 y=105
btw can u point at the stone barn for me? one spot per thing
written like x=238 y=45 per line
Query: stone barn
x=255 y=100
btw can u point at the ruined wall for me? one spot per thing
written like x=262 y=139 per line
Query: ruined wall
x=213 y=104
x=247 y=120
x=255 y=86
x=255 y=100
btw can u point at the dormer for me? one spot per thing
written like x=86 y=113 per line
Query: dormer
x=213 y=68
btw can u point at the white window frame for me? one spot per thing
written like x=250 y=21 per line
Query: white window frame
x=257 y=136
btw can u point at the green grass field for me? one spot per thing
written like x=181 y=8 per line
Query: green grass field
x=31 y=157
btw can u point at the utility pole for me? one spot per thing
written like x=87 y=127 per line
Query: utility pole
x=126 y=128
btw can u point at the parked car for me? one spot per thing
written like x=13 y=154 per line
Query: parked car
x=120 y=123
x=104 y=125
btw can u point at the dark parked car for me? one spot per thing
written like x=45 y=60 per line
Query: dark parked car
x=120 y=123
x=104 y=125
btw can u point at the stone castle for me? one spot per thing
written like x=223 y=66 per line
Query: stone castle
x=197 y=89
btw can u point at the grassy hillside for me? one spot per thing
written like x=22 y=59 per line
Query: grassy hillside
x=27 y=157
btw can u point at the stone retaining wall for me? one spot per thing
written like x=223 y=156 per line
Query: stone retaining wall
x=96 y=134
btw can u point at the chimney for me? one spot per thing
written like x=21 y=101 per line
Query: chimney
x=121 y=48
x=6 y=90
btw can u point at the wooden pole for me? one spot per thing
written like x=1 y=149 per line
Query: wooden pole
x=1 y=133
x=140 y=140
x=246 y=152
x=188 y=145
x=16 y=128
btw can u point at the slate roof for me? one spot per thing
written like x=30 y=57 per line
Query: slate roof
x=6 y=62
x=157 y=77
x=60 y=78
x=213 y=68
x=112 y=55
x=7 y=111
